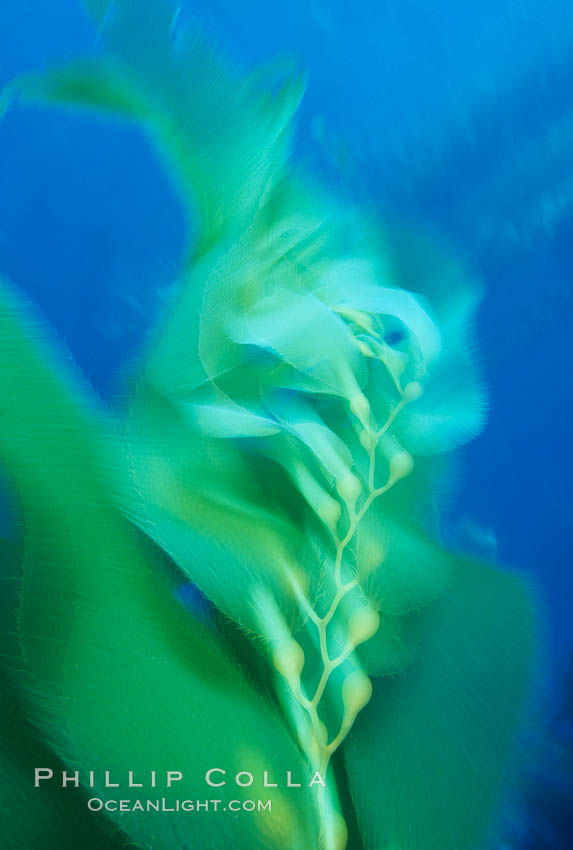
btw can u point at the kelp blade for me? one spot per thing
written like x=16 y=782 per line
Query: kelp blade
x=119 y=677
x=224 y=134
x=430 y=756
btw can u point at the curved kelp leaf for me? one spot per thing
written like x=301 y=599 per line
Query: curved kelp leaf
x=454 y=406
x=41 y=818
x=198 y=499
x=401 y=568
x=427 y=758
x=119 y=676
x=46 y=817
x=225 y=135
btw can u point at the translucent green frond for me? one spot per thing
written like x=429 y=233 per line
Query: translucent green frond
x=119 y=677
x=225 y=135
x=445 y=732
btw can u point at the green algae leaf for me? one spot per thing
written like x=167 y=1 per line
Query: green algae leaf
x=198 y=498
x=226 y=420
x=428 y=757
x=304 y=333
x=401 y=568
x=117 y=675
x=354 y=283
x=394 y=646
x=454 y=405
x=86 y=83
x=39 y=818
x=225 y=135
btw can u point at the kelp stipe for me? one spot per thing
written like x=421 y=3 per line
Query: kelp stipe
x=283 y=442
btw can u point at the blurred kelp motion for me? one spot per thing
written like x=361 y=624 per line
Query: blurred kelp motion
x=284 y=450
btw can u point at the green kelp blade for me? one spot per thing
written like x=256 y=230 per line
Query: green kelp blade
x=400 y=567
x=303 y=333
x=42 y=818
x=196 y=496
x=225 y=135
x=453 y=407
x=427 y=758
x=87 y=83
x=38 y=818
x=120 y=677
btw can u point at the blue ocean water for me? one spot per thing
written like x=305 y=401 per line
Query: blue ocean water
x=458 y=116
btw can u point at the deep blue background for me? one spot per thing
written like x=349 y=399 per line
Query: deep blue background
x=423 y=107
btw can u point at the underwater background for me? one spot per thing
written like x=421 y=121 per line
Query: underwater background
x=458 y=117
